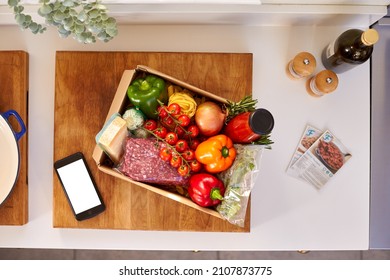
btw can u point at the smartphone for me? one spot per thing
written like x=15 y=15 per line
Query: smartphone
x=79 y=186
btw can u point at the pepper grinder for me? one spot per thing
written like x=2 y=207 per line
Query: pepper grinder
x=323 y=83
x=301 y=66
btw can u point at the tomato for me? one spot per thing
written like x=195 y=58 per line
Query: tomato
x=171 y=138
x=183 y=170
x=188 y=154
x=184 y=120
x=174 y=109
x=161 y=132
x=194 y=143
x=193 y=131
x=162 y=111
x=150 y=125
x=175 y=160
x=168 y=120
x=181 y=145
x=179 y=131
x=195 y=165
x=165 y=154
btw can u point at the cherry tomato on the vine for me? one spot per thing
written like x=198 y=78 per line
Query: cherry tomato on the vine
x=184 y=120
x=161 y=132
x=183 y=170
x=195 y=165
x=167 y=120
x=171 y=138
x=165 y=154
x=181 y=145
x=150 y=125
x=175 y=160
x=194 y=143
x=193 y=131
x=179 y=131
x=188 y=155
x=174 y=109
x=162 y=111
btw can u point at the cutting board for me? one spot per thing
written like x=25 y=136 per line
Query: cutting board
x=85 y=83
x=13 y=95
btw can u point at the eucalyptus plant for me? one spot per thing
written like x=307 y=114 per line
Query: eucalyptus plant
x=82 y=19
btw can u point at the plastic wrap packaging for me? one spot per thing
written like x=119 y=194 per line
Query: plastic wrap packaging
x=141 y=162
x=239 y=180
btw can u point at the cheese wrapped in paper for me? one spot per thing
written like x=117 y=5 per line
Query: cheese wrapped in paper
x=112 y=136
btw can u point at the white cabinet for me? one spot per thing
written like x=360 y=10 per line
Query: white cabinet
x=248 y=12
x=328 y=2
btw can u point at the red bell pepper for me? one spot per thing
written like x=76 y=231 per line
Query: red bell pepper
x=206 y=190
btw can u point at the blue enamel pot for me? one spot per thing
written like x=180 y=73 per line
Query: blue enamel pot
x=9 y=152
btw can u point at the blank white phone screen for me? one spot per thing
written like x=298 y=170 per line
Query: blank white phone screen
x=79 y=187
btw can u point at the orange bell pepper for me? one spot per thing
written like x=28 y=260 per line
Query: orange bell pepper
x=216 y=153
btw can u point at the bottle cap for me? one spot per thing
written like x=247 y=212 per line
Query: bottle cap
x=261 y=121
x=326 y=81
x=370 y=37
x=303 y=64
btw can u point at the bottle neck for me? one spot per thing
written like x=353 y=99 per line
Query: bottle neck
x=360 y=44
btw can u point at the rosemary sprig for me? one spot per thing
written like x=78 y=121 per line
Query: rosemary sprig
x=264 y=140
x=247 y=104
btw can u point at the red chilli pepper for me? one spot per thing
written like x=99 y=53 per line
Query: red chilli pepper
x=206 y=190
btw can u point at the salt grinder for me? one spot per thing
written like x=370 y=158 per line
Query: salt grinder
x=323 y=83
x=301 y=66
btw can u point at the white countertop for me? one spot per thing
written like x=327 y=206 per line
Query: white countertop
x=287 y=214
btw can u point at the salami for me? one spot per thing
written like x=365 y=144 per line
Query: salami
x=141 y=162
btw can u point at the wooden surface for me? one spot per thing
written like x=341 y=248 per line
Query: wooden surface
x=85 y=85
x=13 y=95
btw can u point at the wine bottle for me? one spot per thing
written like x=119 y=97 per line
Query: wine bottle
x=351 y=48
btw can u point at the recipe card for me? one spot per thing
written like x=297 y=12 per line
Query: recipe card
x=309 y=136
x=318 y=158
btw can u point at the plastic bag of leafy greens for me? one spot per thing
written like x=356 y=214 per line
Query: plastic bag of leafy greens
x=239 y=180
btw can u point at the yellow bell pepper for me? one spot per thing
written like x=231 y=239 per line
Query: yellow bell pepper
x=216 y=153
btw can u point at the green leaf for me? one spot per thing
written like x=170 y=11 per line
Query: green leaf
x=104 y=16
x=68 y=23
x=93 y=13
x=59 y=16
x=82 y=16
x=101 y=7
x=41 y=30
x=112 y=32
x=20 y=18
x=34 y=27
x=13 y=3
x=28 y=19
x=45 y=10
x=85 y=19
x=110 y=23
x=79 y=28
x=73 y=13
x=102 y=35
x=68 y=3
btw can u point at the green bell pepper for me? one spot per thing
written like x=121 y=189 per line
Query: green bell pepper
x=145 y=93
